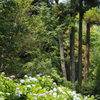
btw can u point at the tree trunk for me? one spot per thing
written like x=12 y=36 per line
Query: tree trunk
x=86 y=67
x=63 y=67
x=72 y=37
x=80 y=45
x=72 y=62
x=62 y=57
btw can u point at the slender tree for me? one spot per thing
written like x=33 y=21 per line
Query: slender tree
x=72 y=37
x=63 y=66
x=86 y=67
x=80 y=43
x=91 y=16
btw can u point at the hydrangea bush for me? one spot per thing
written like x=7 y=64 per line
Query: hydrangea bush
x=35 y=88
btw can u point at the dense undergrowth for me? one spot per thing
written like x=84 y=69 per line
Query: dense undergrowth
x=35 y=88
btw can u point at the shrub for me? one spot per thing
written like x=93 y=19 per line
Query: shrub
x=35 y=88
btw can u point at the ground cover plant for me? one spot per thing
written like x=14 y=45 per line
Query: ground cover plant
x=35 y=88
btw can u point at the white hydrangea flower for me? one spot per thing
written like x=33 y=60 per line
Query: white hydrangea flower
x=63 y=93
x=63 y=87
x=35 y=98
x=33 y=79
x=26 y=76
x=54 y=89
x=76 y=98
x=86 y=98
x=29 y=86
x=51 y=91
x=54 y=83
x=40 y=87
x=1 y=92
x=72 y=92
x=60 y=89
x=18 y=93
x=54 y=94
x=40 y=95
x=8 y=93
x=22 y=81
x=30 y=77
x=33 y=85
x=43 y=76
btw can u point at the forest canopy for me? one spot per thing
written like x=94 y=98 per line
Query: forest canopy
x=52 y=38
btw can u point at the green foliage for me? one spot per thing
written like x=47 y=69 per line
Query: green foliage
x=88 y=87
x=33 y=44
x=7 y=30
x=11 y=29
x=92 y=15
x=95 y=30
x=94 y=62
x=95 y=71
x=34 y=88
x=37 y=66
